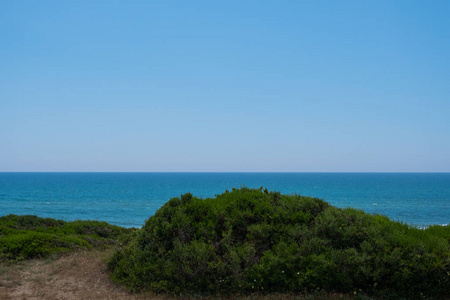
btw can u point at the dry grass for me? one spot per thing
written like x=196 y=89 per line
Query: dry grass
x=82 y=275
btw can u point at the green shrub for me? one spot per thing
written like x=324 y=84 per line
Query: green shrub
x=250 y=240
x=37 y=244
x=25 y=237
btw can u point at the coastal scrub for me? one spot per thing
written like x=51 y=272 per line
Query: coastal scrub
x=26 y=237
x=253 y=240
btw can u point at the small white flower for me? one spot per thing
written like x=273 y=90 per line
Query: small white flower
x=282 y=271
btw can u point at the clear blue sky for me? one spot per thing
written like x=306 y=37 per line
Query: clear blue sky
x=321 y=86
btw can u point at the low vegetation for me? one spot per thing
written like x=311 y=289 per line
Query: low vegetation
x=242 y=243
x=25 y=237
x=253 y=240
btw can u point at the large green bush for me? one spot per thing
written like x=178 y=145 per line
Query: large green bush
x=252 y=240
x=24 y=237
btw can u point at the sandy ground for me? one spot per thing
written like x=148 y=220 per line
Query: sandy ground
x=81 y=275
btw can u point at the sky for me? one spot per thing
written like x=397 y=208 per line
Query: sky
x=224 y=86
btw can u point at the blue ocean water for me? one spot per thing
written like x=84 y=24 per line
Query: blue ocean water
x=128 y=199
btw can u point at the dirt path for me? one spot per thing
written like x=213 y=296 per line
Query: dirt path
x=81 y=275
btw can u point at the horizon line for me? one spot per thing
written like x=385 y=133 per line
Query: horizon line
x=380 y=172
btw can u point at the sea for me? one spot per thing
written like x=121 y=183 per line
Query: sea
x=129 y=199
